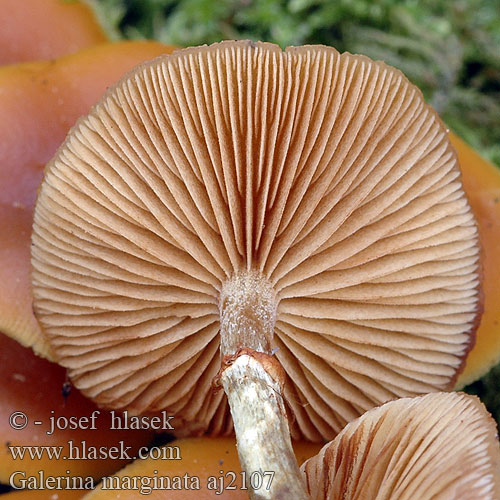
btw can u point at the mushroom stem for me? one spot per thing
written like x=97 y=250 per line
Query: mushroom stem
x=253 y=379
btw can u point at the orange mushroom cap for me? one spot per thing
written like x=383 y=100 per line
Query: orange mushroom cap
x=213 y=462
x=39 y=102
x=44 y=495
x=31 y=390
x=46 y=29
x=482 y=184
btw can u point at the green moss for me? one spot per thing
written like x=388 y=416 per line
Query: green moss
x=488 y=389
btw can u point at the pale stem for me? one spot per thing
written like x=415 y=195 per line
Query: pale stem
x=252 y=380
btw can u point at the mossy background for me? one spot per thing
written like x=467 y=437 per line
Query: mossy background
x=450 y=49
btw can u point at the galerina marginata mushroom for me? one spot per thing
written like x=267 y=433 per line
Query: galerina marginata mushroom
x=298 y=213
x=441 y=445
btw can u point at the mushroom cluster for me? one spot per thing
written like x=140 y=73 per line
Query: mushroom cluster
x=297 y=213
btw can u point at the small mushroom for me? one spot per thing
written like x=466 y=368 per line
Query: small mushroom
x=299 y=214
x=441 y=445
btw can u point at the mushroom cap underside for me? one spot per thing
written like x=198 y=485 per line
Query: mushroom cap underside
x=441 y=445
x=324 y=173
